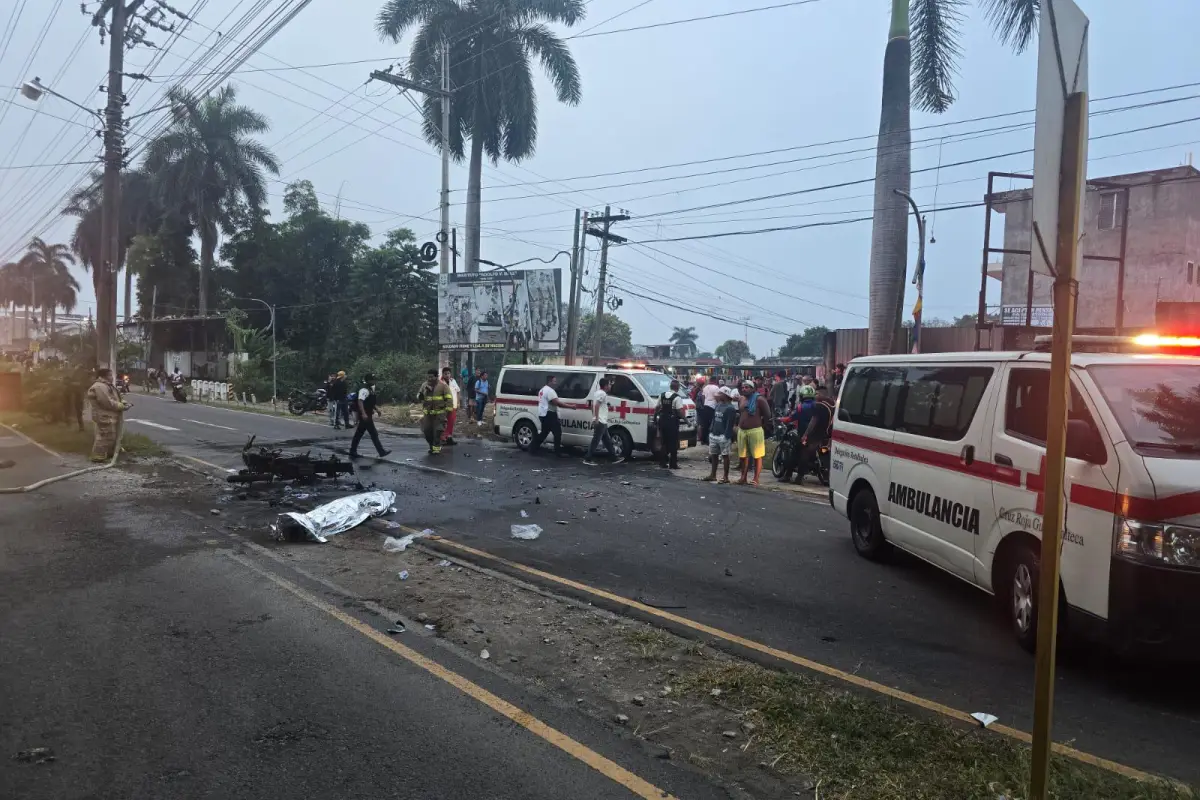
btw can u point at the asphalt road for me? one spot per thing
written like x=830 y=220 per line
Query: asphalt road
x=157 y=659
x=777 y=569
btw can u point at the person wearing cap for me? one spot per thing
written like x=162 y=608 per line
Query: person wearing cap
x=107 y=409
x=667 y=416
x=336 y=395
x=752 y=440
x=721 y=432
x=436 y=401
x=365 y=402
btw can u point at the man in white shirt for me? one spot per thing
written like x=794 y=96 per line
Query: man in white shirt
x=600 y=433
x=708 y=407
x=448 y=379
x=548 y=416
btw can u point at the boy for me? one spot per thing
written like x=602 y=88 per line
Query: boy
x=720 y=434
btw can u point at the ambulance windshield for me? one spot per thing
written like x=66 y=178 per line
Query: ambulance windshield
x=655 y=383
x=1157 y=405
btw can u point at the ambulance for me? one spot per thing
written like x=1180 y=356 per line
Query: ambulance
x=944 y=456
x=633 y=393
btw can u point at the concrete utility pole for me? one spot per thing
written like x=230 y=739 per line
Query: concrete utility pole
x=572 y=309
x=577 y=295
x=605 y=237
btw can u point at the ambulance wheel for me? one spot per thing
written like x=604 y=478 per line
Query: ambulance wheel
x=622 y=444
x=1019 y=584
x=865 y=529
x=524 y=433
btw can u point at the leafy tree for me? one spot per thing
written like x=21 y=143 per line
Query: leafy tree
x=616 y=340
x=733 y=351
x=206 y=163
x=968 y=320
x=685 y=338
x=492 y=44
x=705 y=354
x=924 y=40
x=809 y=344
x=401 y=310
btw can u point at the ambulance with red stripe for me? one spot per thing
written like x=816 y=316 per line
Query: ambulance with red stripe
x=633 y=394
x=943 y=456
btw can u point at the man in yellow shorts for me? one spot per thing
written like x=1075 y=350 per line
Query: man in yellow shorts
x=752 y=442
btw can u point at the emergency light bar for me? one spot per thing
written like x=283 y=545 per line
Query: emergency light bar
x=1142 y=343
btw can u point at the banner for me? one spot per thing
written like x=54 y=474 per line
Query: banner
x=483 y=310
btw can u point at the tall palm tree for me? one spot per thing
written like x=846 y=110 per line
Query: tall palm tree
x=208 y=162
x=46 y=267
x=492 y=44
x=684 y=337
x=923 y=42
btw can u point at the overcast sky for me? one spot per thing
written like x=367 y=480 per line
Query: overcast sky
x=783 y=78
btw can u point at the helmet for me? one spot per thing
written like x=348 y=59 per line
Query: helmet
x=807 y=392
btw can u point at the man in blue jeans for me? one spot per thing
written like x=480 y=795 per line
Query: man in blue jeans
x=482 y=390
x=600 y=433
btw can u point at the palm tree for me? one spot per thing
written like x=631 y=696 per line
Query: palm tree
x=685 y=338
x=928 y=50
x=492 y=44
x=47 y=269
x=207 y=163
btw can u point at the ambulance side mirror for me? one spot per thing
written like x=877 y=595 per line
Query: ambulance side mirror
x=1083 y=442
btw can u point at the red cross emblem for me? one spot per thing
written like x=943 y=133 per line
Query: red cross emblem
x=623 y=409
x=1036 y=482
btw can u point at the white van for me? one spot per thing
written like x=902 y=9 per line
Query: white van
x=632 y=398
x=943 y=456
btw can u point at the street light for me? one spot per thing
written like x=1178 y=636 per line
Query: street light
x=274 y=351
x=919 y=274
x=34 y=89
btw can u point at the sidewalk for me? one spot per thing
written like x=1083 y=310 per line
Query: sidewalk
x=694 y=464
x=31 y=463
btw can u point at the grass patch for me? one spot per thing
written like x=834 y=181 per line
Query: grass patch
x=69 y=439
x=650 y=645
x=859 y=747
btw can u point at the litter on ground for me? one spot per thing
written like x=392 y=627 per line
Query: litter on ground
x=393 y=545
x=527 y=532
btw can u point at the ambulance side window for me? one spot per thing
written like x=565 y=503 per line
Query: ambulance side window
x=621 y=387
x=940 y=402
x=575 y=385
x=522 y=382
x=1026 y=406
x=871 y=395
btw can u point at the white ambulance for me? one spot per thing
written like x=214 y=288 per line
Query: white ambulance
x=633 y=394
x=943 y=456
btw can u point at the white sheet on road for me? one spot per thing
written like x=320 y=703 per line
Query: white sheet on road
x=341 y=515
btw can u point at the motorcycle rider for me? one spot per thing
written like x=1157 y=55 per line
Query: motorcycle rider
x=177 y=385
x=819 y=430
x=364 y=403
x=800 y=417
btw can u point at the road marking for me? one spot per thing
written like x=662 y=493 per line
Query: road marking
x=152 y=424
x=210 y=424
x=210 y=465
x=815 y=666
x=606 y=767
x=427 y=468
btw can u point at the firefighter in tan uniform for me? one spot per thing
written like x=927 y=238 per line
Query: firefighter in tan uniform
x=107 y=409
x=437 y=401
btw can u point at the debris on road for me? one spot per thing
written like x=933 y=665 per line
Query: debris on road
x=335 y=517
x=984 y=718
x=524 y=514
x=35 y=755
x=403 y=575
x=393 y=545
x=215 y=511
x=267 y=464
x=484 y=654
x=527 y=532
x=621 y=719
x=443 y=563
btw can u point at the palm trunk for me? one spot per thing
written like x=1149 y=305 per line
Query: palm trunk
x=208 y=247
x=889 y=234
x=128 y=294
x=474 y=180
x=53 y=319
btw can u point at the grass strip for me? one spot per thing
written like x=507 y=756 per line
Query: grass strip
x=69 y=439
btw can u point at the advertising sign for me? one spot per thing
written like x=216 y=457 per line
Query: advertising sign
x=484 y=310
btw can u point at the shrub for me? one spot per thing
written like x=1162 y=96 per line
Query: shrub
x=398 y=376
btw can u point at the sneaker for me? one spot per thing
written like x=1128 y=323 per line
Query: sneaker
x=590 y=463
x=619 y=460
x=435 y=450
x=384 y=453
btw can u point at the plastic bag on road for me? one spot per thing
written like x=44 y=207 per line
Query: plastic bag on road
x=336 y=517
x=393 y=545
x=526 y=531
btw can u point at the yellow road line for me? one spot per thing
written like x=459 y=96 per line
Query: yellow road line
x=609 y=769
x=824 y=669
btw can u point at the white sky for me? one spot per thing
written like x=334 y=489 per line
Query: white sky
x=776 y=79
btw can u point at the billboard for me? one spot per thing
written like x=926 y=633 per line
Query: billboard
x=481 y=310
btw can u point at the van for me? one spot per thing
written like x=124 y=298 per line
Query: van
x=632 y=398
x=943 y=456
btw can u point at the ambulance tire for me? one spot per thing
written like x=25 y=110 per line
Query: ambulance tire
x=865 y=529
x=524 y=434
x=622 y=443
x=1018 y=592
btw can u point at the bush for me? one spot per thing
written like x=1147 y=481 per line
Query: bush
x=398 y=376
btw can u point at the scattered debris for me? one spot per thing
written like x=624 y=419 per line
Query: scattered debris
x=728 y=572
x=216 y=512
x=537 y=501
x=729 y=734
x=267 y=464
x=443 y=563
x=484 y=654
x=400 y=629
x=391 y=523
x=335 y=517
x=403 y=575
x=561 y=521
x=393 y=545
x=527 y=532
x=621 y=719
x=35 y=755
x=828 y=638
x=715 y=692
x=524 y=514
x=594 y=509
x=984 y=718
x=431 y=627
x=639 y=700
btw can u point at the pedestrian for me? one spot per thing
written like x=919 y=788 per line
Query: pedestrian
x=107 y=409
x=707 y=407
x=74 y=389
x=452 y=414
x=548 y=404
x=162 y=378
x=482 y=391
x=470 y=385
x=752 y=442
x=779 y=395
x=436 y=401
x=668 y=415
x=720 y=436
x=335 y=396
x=365 y=402
x=599 y=401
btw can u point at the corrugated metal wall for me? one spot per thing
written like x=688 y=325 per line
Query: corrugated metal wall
x=852 y=342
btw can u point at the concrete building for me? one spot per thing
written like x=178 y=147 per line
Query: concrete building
x=1151 y=219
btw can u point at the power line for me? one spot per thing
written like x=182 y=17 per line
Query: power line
x=670 y=23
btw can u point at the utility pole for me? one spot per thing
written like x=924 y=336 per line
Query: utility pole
x=572 y=309
x=605 y=237
x=577 y=297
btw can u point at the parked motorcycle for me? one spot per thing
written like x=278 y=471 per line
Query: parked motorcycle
x=300 y=403
x=787 y=441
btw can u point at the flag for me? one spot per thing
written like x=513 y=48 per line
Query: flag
x=916 y=312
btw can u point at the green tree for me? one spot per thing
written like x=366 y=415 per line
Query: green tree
x=399 y=309
x=47 y=270
x=685 y=338
x=809 y=344
x=919 y=64
x=492 y=44
x=733 y=351
x=207 y=163
x=616 y=340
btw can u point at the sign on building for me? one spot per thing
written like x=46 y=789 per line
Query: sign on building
x=486 y=310
x=1039 y=316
